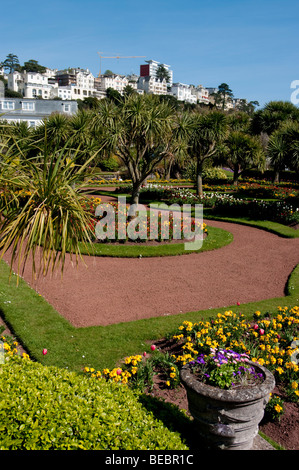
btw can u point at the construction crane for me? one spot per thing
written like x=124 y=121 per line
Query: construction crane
x=116 y=57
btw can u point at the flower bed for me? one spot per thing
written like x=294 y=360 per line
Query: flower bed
x=271 y=341
x=167 y=227
x=275 y=211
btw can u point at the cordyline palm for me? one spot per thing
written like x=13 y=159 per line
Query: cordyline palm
x=242 y=152
x=283 y=147
x=42 y=210
x=274 y=113
x=139 y=132
x=204 y=132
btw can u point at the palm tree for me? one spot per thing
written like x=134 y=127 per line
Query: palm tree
x=283 y=148
x=162 y=73
x=204 y=132
x=139 y=133
x=42 y=208
x=273 y=114
x=54 y=132
x=242 y=152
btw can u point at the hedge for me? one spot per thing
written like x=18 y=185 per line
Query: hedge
x=47 y=408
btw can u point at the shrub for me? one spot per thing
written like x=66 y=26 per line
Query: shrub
x=47 y=408
x=275 y=211
x=214 y=174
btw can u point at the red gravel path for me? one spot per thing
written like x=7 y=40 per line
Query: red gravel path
x=255 y=266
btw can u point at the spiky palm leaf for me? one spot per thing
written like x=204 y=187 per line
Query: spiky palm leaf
x=42 y=210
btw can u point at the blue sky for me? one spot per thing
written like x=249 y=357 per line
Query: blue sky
x=251 y=45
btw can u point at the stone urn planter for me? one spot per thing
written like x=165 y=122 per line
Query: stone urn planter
x=227 y=419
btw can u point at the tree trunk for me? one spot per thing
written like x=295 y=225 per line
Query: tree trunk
x=135 y=193
x=199 y=189
x=276 y=177
x=134 y=199
x=236 y=176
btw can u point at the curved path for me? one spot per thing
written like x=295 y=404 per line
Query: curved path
x=255 y=266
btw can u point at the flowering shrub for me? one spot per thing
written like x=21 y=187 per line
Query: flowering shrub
x=10 y=347
x=268 y=191
x=134 y=372
x=275 y=211
x=270 y=341
x=225 y=369
x=274 y=408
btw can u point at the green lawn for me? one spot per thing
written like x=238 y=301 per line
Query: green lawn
x=37 y=325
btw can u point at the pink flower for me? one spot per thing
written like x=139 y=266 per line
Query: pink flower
x=238 y=303
x=262 y=331
x=255 y=326
x=45 y=351
x=153 y=347
x=118 y=371
x=144 y=354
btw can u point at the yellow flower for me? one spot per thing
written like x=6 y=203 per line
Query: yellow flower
x=278 y=408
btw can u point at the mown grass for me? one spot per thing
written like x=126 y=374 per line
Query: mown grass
x=38 y=325
x=216 y=239
x=273 y=227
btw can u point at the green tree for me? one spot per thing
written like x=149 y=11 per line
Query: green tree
x=242 y=152
x=272 y=115
x=138 y=132
x=223 y=95
x=114 y=95
x=203 y=134
x=53 y=133
x=162 y=73
x=11 y=63
x=33 y=66
x=283 y=148
x=43 y=207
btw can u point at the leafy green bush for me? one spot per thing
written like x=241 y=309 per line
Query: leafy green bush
x=47 y=408
x=213 y=174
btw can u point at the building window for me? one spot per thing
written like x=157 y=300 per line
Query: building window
x=27 y=106
x=66 y=108
x=8 y=105
x=31 y=123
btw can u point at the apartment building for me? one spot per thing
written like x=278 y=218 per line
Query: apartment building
x=75 y=83
x=117 y=82
x=69 y=84
x=201 y=93
x=149 y=69
x=183 y=92
x=33 y=111
x=152 y=85
x=31 y=85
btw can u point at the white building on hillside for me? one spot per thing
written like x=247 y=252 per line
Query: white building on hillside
x=150 y=70
x=31 y=85
x=152 y=85
x=201 y=93
x=70 y=84
x=117 y=82
x=75 y=82
x=183 y=92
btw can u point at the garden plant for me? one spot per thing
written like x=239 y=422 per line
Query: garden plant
x=45 y=178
